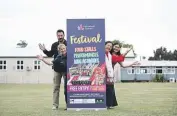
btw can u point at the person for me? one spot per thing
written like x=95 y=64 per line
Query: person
x=54 y=52
x=116 y=52
x=60 y=69
x=110 y=59
x=54 y=48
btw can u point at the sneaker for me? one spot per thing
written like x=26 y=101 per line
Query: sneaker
x=55 y=108
x=78 y=109
x=109 y=108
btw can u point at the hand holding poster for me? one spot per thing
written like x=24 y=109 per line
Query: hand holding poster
x=86 y=85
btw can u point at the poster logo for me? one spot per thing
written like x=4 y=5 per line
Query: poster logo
x=82 y=27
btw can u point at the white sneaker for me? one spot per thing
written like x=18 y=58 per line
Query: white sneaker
x=78 y=109
x=55 y=108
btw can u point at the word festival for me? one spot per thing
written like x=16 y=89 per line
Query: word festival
x=84 y=39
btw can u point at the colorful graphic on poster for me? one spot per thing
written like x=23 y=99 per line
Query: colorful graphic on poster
x=86 y=87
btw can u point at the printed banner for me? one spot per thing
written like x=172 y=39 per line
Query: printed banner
x=86 y=87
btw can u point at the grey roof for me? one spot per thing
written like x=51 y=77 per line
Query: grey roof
x=29 y=51
x=155 y=63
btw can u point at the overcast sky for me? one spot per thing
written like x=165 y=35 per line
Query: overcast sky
x=147 y=24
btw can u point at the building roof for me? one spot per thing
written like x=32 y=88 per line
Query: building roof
x=155 y=63
x=32 y=51
x=21 y=52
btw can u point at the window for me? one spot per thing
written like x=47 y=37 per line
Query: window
x=20 y=65
x=153 y=71
x=37 y=65
x=159 y=70
x=144 y=70
x=169 y=70
x=138 y=71
x=131 y=71
x=3 y=65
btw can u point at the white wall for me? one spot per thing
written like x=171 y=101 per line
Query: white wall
x=129 y=59
x=43 y=75
x=12 y=75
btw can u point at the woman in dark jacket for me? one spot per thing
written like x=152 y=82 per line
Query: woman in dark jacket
x=60 y=70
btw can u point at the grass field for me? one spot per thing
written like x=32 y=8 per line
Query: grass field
x=135 y=99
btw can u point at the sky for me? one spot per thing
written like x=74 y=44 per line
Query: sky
x=147 y=24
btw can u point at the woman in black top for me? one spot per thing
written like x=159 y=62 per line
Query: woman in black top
x=60 y=70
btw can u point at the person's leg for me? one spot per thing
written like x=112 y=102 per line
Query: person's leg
x=109 y=97
x=65 y=91
x=56 y=89
x=114 y=98
x=65 y=87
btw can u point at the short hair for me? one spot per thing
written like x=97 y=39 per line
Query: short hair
x=60 y=30
x=61 y=45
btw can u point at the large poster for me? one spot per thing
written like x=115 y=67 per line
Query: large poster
x=86 y=87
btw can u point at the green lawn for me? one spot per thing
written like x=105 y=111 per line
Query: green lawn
x=135 y=99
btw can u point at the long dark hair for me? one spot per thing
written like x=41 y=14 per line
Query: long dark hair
x=108 y=42
x=117 y=53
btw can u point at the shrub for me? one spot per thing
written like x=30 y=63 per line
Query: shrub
x=159 y=78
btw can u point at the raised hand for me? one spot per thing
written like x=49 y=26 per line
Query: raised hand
x=40 y=57
x=42 y=47
x=131 y=47
x=128 y=51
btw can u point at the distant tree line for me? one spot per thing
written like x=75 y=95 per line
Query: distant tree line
x=124 y=45
x=163 y=54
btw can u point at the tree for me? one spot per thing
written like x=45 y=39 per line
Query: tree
x=175 y=54
x=151 y=58
x=124 y=45
x=162 y=54
x=22 y=44
x=116 y=41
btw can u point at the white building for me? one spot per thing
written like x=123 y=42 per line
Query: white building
x=148 y=70
x=19 y=65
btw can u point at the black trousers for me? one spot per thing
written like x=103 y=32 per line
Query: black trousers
x=111 y=100
x=65 y=88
